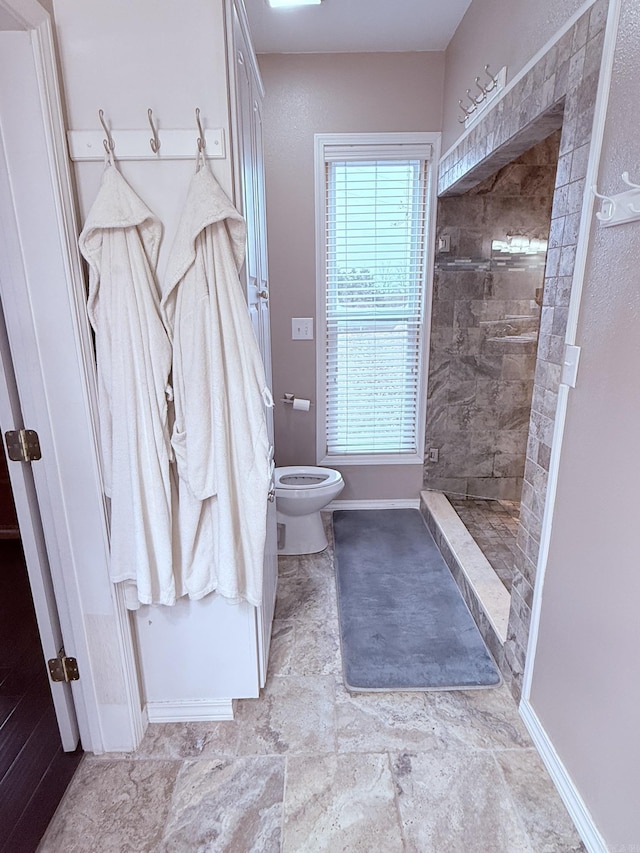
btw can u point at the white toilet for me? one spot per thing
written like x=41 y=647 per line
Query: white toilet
x=301 y=492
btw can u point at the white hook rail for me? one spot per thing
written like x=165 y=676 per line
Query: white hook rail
x=487 y=92
x=134 y=144
x=620 y=208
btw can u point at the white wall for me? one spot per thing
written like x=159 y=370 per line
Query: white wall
x=327 y=93
x=586 y=670
x=125 y=57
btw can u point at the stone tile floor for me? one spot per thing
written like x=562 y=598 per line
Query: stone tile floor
x=310 y=767
x=494 y=526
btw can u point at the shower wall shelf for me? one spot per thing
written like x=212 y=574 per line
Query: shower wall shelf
x=134 y=144
x=620 y=208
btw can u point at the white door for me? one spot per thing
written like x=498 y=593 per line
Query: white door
x=263 y=333
x=12 y=282
x=33 y=544
x=47 y=356
x=251 y=172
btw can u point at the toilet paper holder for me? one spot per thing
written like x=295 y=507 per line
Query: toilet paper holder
x=290 y=398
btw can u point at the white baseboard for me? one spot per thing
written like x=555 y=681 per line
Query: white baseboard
x=190 y=710
x=578 y=811
x=389 y=503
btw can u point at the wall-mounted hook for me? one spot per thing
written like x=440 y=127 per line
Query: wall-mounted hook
x=620 y=208
x=466 y=112
x=202 y=142
x=634 y=196
x=483 y=91
x=155 y=141
x=494 y=80
x=472 y=107
x=625 y=178
x=108 y=143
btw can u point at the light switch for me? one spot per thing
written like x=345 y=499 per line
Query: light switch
x=302 y=328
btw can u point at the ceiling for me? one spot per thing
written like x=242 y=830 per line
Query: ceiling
x=355 y=26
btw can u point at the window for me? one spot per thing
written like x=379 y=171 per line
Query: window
x=372 y=199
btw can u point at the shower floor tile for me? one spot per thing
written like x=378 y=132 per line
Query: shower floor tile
x=494 y=526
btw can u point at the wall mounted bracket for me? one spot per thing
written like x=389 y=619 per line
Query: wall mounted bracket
x=620 y=208
x=134 y=144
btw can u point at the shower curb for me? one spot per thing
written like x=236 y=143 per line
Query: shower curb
x=483 y=591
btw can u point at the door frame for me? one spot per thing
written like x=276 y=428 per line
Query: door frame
x=56 y=381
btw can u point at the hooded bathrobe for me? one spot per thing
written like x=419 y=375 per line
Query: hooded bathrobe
x=220 y=435
x=120 y=241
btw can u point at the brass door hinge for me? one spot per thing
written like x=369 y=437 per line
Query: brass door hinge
x=63 y=668
x=23 y=445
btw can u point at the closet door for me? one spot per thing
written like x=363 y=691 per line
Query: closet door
x=246 y=169
x=250 y=170
x=263 y=322
x=263 y=333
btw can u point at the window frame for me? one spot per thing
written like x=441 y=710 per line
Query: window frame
x=323 y=141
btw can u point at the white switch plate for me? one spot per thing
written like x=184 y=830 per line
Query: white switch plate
x=570 y=365
x=302 y=328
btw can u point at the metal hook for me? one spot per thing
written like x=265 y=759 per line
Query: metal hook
x=474 y=101
x=494 y=80
x=202 y=142
x=108 y=143
x=599 y=195
x=155 y=142
x=467 y=112
x=625 y=178
x=482 y=89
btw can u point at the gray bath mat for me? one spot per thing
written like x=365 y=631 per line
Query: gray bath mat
x=403 y=622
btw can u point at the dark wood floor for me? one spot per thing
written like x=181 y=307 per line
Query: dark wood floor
x=34 y=771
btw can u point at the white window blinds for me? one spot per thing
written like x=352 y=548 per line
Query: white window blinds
x=375 y=216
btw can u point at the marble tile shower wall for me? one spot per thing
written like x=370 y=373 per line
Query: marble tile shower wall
x=559 y=90
x=485 y=327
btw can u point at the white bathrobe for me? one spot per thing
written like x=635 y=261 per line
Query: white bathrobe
x=220 y=435
x=120 y=241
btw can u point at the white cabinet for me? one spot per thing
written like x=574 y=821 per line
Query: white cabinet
x=224 y=648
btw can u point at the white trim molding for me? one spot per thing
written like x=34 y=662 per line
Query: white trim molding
x=96 y=627
x=190 y=710
x=427 y=143
x=578 y=811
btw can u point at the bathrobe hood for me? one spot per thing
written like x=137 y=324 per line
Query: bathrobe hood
x=120 y=242
x=220 y=436
x=206 y=204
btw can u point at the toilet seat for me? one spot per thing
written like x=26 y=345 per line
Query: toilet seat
x=302 y=492
x=296 y=477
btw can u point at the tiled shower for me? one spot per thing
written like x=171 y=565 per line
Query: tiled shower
x=488 y=289
x=558 y=91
